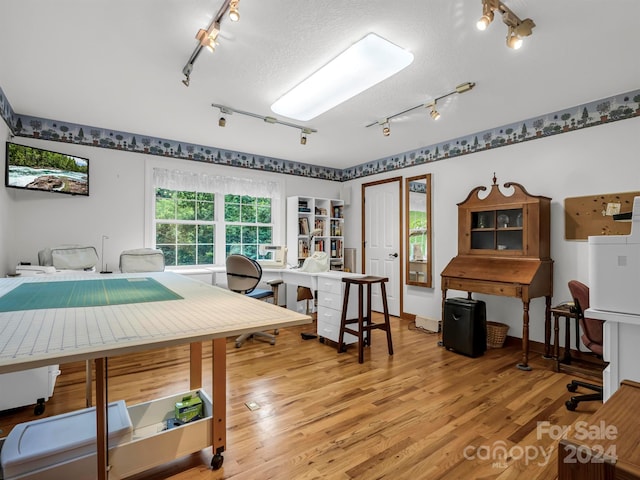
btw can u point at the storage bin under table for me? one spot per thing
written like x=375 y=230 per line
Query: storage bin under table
x=64 y=446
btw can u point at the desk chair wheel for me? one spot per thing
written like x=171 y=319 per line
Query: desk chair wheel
x=572 y=388
x=571 y=405
x=216 y=461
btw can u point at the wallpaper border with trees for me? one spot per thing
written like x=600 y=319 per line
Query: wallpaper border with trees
x=599 y=112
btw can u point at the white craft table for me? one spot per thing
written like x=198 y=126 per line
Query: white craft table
x=35 y=338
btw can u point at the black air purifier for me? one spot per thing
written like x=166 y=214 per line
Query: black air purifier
x=464 y=326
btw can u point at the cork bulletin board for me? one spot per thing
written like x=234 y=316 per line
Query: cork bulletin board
x=593 y=215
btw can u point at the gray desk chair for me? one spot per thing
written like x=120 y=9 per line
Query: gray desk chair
x=243 y=276
x=142 y=260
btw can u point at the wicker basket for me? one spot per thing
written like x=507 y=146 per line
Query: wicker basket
x=496 y=334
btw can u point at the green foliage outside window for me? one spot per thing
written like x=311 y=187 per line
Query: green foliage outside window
x=248 y=224
x=185 y=226
x=418 y=229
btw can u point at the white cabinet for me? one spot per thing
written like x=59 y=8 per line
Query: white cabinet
x=330 y=299
x=315 y=225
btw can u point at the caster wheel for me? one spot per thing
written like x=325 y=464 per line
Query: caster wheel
x=38 y=409
x=216 y=461
x=238 y=344
x=571 y=405
x=571 y=387
x=276 y=332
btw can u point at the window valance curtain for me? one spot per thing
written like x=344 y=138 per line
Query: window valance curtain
x=202 y=182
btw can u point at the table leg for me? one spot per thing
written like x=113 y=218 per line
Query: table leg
x=547 y=338
x=195 y=365
x=556 y=340
x=101 y=418
x=87 y=384
x=219 y=396
x=524 y=365
x=567 y=341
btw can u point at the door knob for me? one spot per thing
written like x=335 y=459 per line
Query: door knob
x=395 y=255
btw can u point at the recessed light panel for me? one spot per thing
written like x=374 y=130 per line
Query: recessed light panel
x=361 y=66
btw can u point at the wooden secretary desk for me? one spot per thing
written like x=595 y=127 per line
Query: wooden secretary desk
x=503 y=249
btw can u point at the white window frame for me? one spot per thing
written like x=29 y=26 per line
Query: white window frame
x=250 y=184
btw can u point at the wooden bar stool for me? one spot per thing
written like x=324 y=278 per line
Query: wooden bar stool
x=365 y=324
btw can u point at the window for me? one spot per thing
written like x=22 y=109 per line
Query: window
x=185 y=227
x=247 y=224
x=200 y=219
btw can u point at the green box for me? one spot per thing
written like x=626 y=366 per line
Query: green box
x=190 y=408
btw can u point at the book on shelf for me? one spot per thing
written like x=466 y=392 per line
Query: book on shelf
x=303 y=248
x=303 y=226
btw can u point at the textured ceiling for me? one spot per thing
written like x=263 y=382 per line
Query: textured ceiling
x=117 y=64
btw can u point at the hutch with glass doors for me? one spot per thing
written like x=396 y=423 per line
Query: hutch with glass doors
x=504 y=249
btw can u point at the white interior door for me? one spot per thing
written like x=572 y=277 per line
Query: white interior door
x=382 y=240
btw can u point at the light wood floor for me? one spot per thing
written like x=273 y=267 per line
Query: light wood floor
x=424 y=413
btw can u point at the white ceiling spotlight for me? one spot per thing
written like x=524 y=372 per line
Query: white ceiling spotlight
x=516 y=29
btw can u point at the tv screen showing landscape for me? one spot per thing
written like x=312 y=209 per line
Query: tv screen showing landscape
x=37 y=169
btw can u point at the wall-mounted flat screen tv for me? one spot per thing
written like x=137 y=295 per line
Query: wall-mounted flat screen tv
x=37 y=169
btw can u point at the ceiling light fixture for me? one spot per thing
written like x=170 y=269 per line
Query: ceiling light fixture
x=463 y=87
x=207 y=38
x=487 y=14
x=303 y=135
x=435 y=115
x=386 y=127
x=516 y=28
x=304 y=131
x=363 y=65
x=234 y=15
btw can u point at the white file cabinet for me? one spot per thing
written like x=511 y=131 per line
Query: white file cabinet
x=330 y=299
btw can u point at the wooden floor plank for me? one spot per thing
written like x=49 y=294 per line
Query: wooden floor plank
x=424 y=412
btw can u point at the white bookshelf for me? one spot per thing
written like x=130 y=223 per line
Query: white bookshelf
x=315 y=224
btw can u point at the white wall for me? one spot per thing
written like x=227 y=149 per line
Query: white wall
x=595 y=160
x=5 y=228
x=115 y=206
x=601 y=159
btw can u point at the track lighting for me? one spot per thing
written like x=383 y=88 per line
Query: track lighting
x=487 y=14
x=516 y=28
x=222 y=121
x=207 y=38
x=234 y=15
x=304 y=131
x=303 y=135
x=463 y=87
x=435 y=115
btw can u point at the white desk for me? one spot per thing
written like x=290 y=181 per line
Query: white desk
x=34 y=338
x=620 y=348
x=287 y=275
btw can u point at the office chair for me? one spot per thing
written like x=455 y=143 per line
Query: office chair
x=141 y=260
x=243 y=276
x=591 y=338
